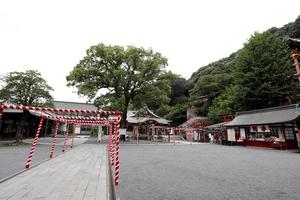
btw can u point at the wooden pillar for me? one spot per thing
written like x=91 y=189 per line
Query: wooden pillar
x=1 y=114
x=46 y=128
x=148 y=134
x=174 y=133
x=156 y=135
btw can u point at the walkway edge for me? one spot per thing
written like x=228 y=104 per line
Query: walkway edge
x=112 y=194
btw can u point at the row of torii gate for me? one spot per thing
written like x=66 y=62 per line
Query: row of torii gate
x=73 y=117
x=171 y=132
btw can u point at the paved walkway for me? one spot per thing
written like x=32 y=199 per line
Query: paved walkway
x=13 y=158
x=80 y=173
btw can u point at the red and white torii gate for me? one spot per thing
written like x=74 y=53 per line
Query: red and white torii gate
x=69 y=118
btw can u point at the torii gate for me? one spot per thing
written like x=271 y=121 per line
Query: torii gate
x=105 y=120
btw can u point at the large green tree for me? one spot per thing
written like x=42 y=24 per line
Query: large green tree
x=115 y=76
x=264 y=73
x=25 y=88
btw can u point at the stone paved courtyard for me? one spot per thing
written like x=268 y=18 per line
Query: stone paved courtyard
x=77 y=174
x=13 y=158
x=207 y=171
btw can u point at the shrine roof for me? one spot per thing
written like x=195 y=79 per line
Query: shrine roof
x=274 y=115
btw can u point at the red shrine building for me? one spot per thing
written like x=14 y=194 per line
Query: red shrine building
x=144 y=124
x=11 y=120
x=277 y=127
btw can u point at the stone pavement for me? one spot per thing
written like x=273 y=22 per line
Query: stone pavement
x=80 y=173
x=208 y=172
x=13 y=158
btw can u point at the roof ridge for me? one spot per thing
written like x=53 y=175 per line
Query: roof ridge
x=295 y=106
x=74 y=102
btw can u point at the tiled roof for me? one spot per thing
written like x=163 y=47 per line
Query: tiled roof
x=131 y=118
x=275 y=115
x=294 y=43
x=74 y=105
x=192 y=122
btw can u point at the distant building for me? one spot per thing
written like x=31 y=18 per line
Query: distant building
x=85 y=130
x=195 y=126
x=144 y=123
x=276 y=127
x=11 y=119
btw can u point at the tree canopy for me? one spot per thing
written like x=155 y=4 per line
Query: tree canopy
x=115 y=76
x=26 y=88
x=264 y=74
x=259 y=75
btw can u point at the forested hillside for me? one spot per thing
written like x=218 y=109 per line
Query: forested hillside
x=257 y=76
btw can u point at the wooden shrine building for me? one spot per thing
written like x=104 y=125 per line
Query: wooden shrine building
x=144 y=124
x=276 y=127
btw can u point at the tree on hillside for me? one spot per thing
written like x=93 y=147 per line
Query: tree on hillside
x=175 y=110
x=25 y=88
x=117 y=76
x=264 y=73
x=209 y=82
x=290 y=29
x=224 y=104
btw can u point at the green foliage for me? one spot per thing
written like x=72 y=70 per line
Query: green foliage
x=210 y=82
x=179 y=91
x=25 y=88
x=290 y=30
x=224 y=104
x=175 y=109
x=257 y=76
x=264 y=74
x=157 y=95
x=116 y=77
x=177 y=114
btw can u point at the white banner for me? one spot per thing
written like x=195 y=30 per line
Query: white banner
x=231 y=134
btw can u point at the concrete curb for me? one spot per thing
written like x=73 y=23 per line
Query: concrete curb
x=112 y=193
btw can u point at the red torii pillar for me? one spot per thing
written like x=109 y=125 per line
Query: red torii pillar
x=66 y=137
x=54 y=140
x=117 y=164
x=148 y=133
x=35 y=141
x=74 y=133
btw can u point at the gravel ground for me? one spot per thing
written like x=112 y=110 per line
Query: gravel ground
x=207 y=171
x=13 y=158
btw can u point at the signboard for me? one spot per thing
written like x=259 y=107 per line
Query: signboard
x=243 y=133
x=231 y=134
x=77 y=129
x=123 y=131
x=63 y=127
x=263 y=128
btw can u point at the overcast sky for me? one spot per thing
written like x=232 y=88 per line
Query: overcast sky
x=51 y=36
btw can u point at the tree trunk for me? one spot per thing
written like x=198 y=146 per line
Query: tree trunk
x=124 y=116
x=21 y=126
x=19 y=134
